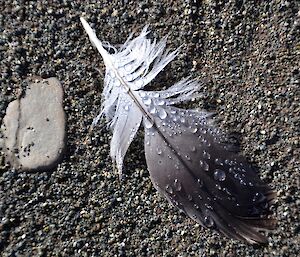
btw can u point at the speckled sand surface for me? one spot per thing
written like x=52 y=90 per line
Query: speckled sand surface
x=249 y=56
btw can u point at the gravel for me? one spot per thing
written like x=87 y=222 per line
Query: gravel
x=246 y=52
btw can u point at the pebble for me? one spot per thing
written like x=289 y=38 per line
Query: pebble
x=34 y=126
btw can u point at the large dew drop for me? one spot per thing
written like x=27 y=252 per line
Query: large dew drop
x=208 y=221
x=177 y=185
x=161 y=102
x=204 y=165
x=148 y=123
x=152 y=110
x=169 y=189
x=206 y=155
x=162 y=114
x=194 y=130
x=159 y=151
x=219 y=175
x=147 y=101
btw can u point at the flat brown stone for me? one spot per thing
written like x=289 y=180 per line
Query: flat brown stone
x=34 y=126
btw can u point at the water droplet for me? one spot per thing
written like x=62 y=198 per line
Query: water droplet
x=200 y=182
x=259 y=197
x=219 y=175
x=148 y=123
x=161 y=102
x=196 y=206
x=162 y=114
x=177 y=185
x=147 y=101
x=208 y=206
x=173 y=111
x=227 y=161
x=188 y=157
x=227 y=191
x=218 y=186
x=194 y=130
x=159 y=151
x=206 y=155
x=182 y=119
x=169 y=189
x=148 y=142
x=152 y=110
x=219 y=162
x=205 y=166
x=156 y=95
x=208 y=221
x=175 y=118
x=126 y=107
x=194 y=217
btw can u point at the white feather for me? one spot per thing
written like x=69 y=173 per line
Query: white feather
x=128 y=70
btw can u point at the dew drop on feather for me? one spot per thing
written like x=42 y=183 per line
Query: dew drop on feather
x=159 y=151
x=208 y=221
x=219 y=162
x=162 y=114
x=161 y=102
x=200 y=182
x=219 y=175
x=147 y=101
x=205 y=166
x=206 y=155
x=193 y=149
x=177 y=185
x=148 y=124
x=169 y=189
x=259 y=197
x=194 y=130
x=152 y=110
x=188 y=157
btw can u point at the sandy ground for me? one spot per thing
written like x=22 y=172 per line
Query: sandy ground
x=248 y=54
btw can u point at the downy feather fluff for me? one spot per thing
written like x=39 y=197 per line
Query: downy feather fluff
x=187 y=157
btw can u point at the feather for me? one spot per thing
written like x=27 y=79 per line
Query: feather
x=188 y=158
